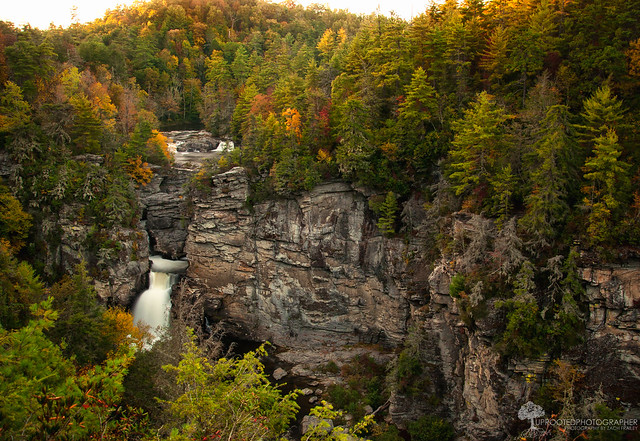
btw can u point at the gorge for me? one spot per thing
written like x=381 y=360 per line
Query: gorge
x=434 y=222
x=313 y=275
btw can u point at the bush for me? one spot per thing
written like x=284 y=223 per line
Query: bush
x=431 y=428
x=408 y=369
x=457 y=285
x=344 y=398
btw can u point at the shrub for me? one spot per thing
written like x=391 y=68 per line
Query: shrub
x=431 y=428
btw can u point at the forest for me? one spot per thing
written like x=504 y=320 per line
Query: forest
x=523 y=111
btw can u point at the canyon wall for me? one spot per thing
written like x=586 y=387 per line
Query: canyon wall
x=313 y=272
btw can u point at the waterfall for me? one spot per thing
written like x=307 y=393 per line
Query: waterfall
x=153 y=306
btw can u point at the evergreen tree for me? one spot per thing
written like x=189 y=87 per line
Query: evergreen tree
x=44 y=396
x=547 y=205
x=480 y=140
x=524 y=335
x=607 y=186
x=354 y=151
x=87 y=128
x=503 y=185
x=602 y=112
x=388 y=214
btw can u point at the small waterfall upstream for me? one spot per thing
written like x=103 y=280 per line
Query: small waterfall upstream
x=153 y=306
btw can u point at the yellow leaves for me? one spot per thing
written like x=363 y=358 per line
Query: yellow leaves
x=327 y=42
x=159 y=140
x=138 y=170
x=122 y=330
x=324 y=156
x=330 y=40
x=14 y=221
x=342 y=36
x=293 y=123
x=101 y=101
x=389 y=149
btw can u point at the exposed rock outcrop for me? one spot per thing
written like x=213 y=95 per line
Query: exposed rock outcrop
x=118 y=259
x=312 y=273
x=303 y=271
x=192 y=141
x=612 y=352
x=165 y=211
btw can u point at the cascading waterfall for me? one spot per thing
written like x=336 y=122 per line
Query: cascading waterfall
x=153 y=306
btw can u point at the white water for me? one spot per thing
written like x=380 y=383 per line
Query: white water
x=153 y=306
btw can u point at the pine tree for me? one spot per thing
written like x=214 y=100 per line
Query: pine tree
x=547 y=204
x=388 y=214
x=607 y=184
x=602 y=111
x=480 y=139
x=15 y=112
x=503 y=185
x=87 y=127
x=354 y=151
x=419 y=106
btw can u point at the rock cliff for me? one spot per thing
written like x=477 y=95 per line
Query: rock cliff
x=165 y=211
x=313 y=272
x=303 y=272
x=118 y=260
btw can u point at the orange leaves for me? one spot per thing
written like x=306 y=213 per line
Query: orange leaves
x=160 y=141
x=293 y=123
x=261 y=105
x=122 y=329
x=633 y=54
x=138 y=170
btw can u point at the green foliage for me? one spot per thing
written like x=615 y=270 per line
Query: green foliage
x=408 y=368
x=602 y=112
x=525 y=334
x=344 y=398
x=388 y=213
x=324 y=430
x=529 y=332
x=14 y=110
x=87 y=127
x=19 y=288
x=364 y=385
x=43 y=395
x=317 y=94
x=231 y=398
x=14 y=222
x=386 y=432
x=480 y=139
x=607 y=184
x=431 y=428
x=81 y=326
x=409 y=373
x=547 y=204
x=354 y=151
x=331 y=367
x=457 y=285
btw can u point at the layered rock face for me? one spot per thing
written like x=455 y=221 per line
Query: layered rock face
x=612 y=353
x=118 y=260
x=314 y=273
x=165 y=211
x=301 y=272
